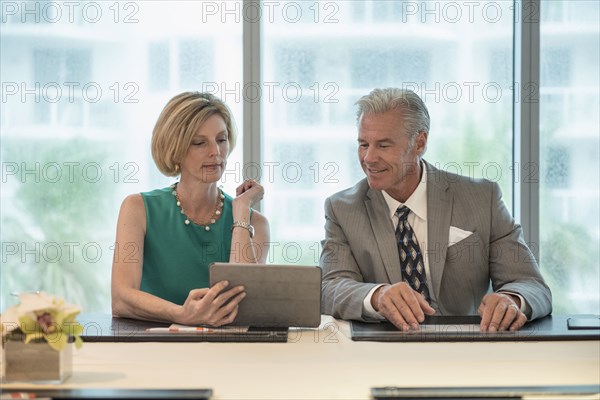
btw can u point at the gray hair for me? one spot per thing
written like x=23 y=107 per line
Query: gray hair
x=413 y=110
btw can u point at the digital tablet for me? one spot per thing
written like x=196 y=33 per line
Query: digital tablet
x=276 y=295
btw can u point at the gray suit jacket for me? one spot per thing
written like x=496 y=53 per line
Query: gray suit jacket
x=360 y=251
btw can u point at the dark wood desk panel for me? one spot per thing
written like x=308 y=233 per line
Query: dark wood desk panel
x=465 y=329
x=105 y=328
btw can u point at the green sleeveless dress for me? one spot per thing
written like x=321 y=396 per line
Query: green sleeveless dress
x=176 y=255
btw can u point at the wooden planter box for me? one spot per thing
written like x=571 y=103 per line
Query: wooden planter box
x=36 y=362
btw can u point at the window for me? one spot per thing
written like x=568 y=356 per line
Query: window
x=296 y=70
x=569 y=154
x=194 y=65
x=81 y=96
x=431 y=53
x=159 y=72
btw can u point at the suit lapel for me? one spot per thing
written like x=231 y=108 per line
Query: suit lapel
x=377 y=210
x=439 y=212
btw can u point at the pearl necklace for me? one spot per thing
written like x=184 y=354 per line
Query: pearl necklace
x=213 y=218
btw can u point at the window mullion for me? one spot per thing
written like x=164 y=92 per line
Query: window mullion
x=252 y=74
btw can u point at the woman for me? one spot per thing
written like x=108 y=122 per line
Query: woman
x=166 y=238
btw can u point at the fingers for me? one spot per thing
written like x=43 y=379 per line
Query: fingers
x=518 y=322
x=511 y=319
x=197 y=293
x=500 y=313
x=214 y=291
x=403 y=307
x=486 y=311
x=412 y=313
x=228 y=319
x=225 y=297
x=214 y=306
x=427 y=309
x=227 y=313
x=388 y=308
x=247 y=185
x=241 y=188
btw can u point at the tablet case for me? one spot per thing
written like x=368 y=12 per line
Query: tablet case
x=276 y=295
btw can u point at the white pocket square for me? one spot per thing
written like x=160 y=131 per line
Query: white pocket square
x=456 y=235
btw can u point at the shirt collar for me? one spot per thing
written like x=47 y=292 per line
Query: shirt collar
x=417 y=202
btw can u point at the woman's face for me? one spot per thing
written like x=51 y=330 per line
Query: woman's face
x=206 y=157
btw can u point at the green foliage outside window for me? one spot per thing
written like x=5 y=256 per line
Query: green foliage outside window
x=50 y=237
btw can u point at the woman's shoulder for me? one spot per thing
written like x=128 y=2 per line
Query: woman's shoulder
x=133 y=202
x=133 y=212
x=158 y=192
x=137 y=202
x=158 y=198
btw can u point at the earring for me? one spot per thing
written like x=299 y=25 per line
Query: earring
x=177 y=168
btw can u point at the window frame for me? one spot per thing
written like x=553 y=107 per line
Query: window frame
x=526 y=130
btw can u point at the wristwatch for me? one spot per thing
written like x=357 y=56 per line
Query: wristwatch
x=245 y=225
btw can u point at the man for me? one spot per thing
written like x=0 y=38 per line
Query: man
x=436 y=255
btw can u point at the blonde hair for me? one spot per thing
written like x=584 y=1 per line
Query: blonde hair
x=412 y=109
x=178 y=123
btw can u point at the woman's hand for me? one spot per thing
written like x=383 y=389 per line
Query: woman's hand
x=250 y=245
x=249 y=193
x=215 y=306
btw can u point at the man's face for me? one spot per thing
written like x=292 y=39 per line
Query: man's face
x=389 y=160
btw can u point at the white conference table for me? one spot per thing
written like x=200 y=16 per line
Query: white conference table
x=325 y=363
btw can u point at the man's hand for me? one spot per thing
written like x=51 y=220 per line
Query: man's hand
x=500 y=312
x=401 y=305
